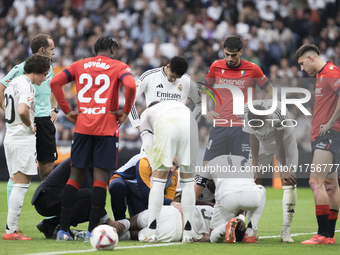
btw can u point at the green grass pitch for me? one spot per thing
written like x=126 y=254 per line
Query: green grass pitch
x=270 y=225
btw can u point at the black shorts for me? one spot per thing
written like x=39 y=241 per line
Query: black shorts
x=97 y=151
x=329 y=142
x=227 y=140
x=46 y=145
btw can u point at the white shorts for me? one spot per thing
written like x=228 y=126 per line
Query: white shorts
x=292 y=155
x=230 y=204
x=169 y=225
x=21 y=158
x=175 y=136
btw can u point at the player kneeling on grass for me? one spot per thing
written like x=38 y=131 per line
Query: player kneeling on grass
x=235 y=191
x=269 y=135
x=20 y=139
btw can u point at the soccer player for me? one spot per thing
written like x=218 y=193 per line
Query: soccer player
x=19 y=142
x=130 y=186
x=45 y=109
x=95 y=141
x=268 y=137
x=227 y=138
x=165 y=83
x=235 y=191
x=169 y=129
x=170 y=224
x=325 y=137
x=47 y=201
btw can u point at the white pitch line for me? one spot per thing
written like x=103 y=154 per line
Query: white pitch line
x=298 y=234
x=118 y=248
x=149 y=245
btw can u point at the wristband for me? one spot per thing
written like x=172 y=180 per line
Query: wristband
x=30 y=128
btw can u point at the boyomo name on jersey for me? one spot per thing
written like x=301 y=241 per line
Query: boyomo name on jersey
x=168 y=95
x=96 y=64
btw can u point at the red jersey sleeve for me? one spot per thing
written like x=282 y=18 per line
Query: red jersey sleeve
x=56 y=86
x=210 y=78
x=260 y=78
x=334 y=81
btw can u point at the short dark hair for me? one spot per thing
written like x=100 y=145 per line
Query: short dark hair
x=253 y=116
x=37 y=64
x=233 y=43
x=179 y=65
x=38 y=41
x=304 y=48
x=105 y=43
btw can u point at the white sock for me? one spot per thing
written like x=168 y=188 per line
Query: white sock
x=9 y=189
x=125 y=236
x=218 y=234
x=156 y=198
x=288 y=205
x=16 y=200
x=188 y=200
x=255 y=216
x=126 y=223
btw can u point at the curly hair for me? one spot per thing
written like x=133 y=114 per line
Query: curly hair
x=305 y=48
x=179 y=65
x=233 y=43
x=38 y=41
x=105 y=43
x=37 y=64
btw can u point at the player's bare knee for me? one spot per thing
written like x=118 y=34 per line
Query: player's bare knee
x=313 y=184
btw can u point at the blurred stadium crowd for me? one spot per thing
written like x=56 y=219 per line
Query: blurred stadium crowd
x=151 y=32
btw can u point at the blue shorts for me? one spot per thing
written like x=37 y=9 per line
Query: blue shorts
x=94 y=151
x=227 y=140
x=328 y=142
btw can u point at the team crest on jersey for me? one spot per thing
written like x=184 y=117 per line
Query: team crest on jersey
x=243 y=72
x=222 y=70
x=321 y=78
x=180 y=87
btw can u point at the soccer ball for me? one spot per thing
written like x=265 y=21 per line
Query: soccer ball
x=104 y=237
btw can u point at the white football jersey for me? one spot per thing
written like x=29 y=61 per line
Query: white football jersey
x=266 y=134
x=230 y=173
x=202 y=218
x=20 y=90
x=156 y=87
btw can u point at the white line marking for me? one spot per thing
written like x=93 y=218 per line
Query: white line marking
x=298 y=234
x=118 y=248
x=150 y=245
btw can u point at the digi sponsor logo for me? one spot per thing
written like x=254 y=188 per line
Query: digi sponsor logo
x=95 y=110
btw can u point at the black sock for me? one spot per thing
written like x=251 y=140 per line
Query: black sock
x=332 y=221
x=98 y=198
x=69 y=198
x=323 y=225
